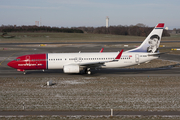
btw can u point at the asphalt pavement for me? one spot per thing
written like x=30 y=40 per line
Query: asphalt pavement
x=90 y=113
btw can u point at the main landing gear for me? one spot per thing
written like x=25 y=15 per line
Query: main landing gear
x=87 y=71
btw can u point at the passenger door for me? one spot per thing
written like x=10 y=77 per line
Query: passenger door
x=137 y=58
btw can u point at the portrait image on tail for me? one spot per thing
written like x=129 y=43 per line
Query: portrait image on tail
x=154 y=42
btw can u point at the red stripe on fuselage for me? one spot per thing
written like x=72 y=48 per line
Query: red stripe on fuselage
x=29 y=62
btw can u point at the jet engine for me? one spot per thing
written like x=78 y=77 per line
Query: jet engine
x=71 y=69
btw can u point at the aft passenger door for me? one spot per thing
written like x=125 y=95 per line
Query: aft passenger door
x=137 y=58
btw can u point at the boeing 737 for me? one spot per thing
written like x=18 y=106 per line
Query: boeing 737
x=77 y=62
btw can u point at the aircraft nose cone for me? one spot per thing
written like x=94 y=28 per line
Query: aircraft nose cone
x=10 y=64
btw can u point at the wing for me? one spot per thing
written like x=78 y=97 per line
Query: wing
x=101 y=63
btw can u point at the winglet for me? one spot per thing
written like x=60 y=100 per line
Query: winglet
x=119 y=55
x=101 y=50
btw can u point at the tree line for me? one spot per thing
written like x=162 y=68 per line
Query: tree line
x=132 y=30
x=23 y=28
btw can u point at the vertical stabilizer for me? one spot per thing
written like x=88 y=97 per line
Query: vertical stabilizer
x=151 y=43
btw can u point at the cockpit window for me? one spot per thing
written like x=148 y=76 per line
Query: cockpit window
x=16 y=59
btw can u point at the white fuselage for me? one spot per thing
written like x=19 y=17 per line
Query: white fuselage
x=58 y=60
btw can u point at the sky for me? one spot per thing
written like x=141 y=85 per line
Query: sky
x=90 y=13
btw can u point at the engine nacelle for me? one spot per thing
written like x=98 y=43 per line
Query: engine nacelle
x=71 y=69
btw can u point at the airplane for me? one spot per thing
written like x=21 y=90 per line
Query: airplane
x=78 y=62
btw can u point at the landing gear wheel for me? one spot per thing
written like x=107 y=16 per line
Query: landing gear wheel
x=88 y=72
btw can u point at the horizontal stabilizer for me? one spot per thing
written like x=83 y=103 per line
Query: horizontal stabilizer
x=156 y=54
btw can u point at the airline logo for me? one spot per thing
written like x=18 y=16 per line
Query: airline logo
x=30 y=64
